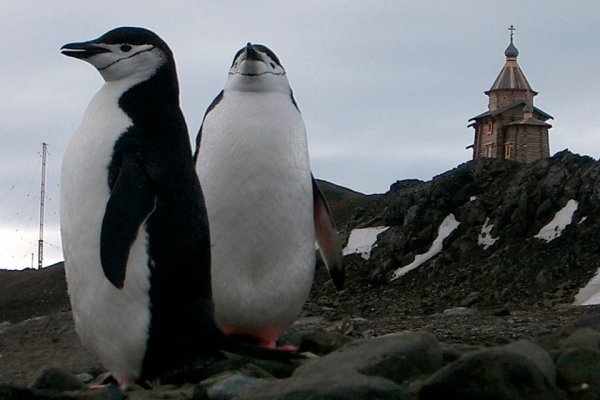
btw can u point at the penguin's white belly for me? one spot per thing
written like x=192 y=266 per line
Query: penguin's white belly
x=111 y=322
x=254 y=170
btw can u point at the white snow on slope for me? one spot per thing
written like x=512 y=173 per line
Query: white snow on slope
x=590 y=293
x=562 y=218
x=362 y=241
x=448 y=225
x=485 y=237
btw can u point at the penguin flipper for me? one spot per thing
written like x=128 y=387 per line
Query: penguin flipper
x=327 y=237
x=212 y=105
x=130 y=203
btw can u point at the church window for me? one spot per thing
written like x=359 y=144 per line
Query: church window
x=488 y=150
x=509 y=151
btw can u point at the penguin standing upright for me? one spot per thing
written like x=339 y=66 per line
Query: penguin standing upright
x=264 y=207
x=133 y=222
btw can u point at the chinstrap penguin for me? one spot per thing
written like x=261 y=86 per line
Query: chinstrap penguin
x=133 y=221
x=265 y=209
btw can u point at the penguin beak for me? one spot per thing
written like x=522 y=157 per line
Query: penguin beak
x=251 y=53
x=82 y=50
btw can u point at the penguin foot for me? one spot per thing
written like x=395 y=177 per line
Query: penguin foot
x=272 y=344
x=286 y=347
x=107 y=381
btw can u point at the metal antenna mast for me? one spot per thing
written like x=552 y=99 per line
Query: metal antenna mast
x=42 y=199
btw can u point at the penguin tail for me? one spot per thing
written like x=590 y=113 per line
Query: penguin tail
x=215 y=340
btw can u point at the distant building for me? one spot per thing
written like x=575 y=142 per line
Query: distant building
x=512 y=128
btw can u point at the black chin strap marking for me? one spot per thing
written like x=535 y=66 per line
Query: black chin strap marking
x=262 y=73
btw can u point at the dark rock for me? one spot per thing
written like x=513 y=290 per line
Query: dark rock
x=229 y=385
x=472 y=298
x=243 y=365
x=321 y=342
x=452 y=353
x=85 y=377
x=277 y=368
x=4 y=325
x=54 y=378
x=20 y=393
x=184 y=392
x=253 y=367
x=459 y=311
x=355 y=327
x=591 y=321
x=578 y=366
x=491 y=374
x=333 y=386
x=501 y=312
x=536 y=355
x=585 y=337
x=397 y=357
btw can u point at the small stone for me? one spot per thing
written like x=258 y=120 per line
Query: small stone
x=501 y=312
x=103 y=379
x=460 y=311
x=85 y=377
x=54 y=378
x=4 y=325
x=350 y=326
x=472 y=298
x=228 y=385
x=321 y=342
x=237 y=364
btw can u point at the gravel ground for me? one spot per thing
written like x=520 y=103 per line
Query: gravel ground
x=38 y=330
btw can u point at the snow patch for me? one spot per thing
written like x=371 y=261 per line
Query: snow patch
x=362 y=241
x=485 y=237
x=561 y=219
x=582 y=220
x=448 y=225
x=472 y=198
x=590 y=293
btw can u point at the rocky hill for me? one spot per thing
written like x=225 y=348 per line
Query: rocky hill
x=492 y=259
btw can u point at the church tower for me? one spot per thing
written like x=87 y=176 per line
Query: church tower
x=512 y=128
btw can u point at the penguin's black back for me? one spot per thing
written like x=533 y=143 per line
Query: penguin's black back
x=181 y=322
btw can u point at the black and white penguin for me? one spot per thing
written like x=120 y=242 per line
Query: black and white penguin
x=133 y=221
x=264 y=207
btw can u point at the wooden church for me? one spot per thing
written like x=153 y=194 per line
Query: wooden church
x=512 y=128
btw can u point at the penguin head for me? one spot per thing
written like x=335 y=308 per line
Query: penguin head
x=125 y=52
x=256 y=68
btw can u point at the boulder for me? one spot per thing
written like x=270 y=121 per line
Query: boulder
x=491 y=374
x=396 y=357
x=338 y=385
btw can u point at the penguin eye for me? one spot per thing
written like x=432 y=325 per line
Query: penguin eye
x=273 y=65
x=125 y=48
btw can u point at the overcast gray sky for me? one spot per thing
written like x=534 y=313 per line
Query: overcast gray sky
x=386 y=87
